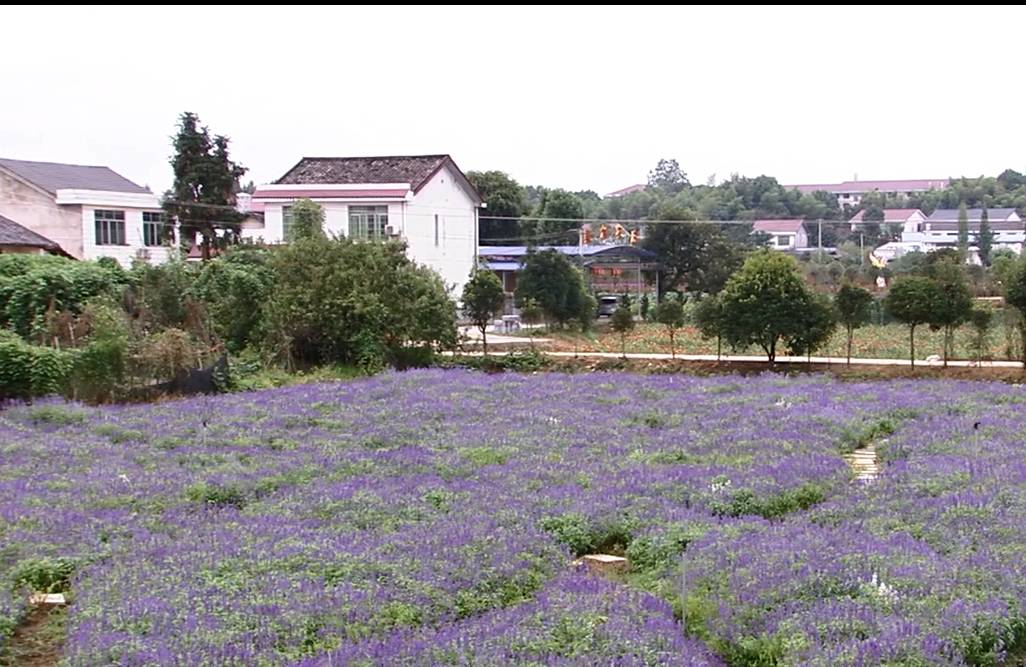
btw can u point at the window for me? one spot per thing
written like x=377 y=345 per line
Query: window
x=367 y=222
x=286 y=223
x=436 y=230
x=784 y=240
x=154 y=232
x=110 y=227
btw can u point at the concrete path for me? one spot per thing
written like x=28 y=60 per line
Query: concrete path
x=474 y=334
x=832 y=361
x=864 y=463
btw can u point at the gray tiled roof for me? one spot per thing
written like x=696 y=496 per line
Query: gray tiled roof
x=53 y=176
x=11 y=233
x=972 y=214
x=412 y=169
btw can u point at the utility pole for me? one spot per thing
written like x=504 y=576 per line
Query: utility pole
x=862 y=248
x=820 y=224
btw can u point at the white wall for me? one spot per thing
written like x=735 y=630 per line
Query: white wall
x=456 y=252
x=125 y=254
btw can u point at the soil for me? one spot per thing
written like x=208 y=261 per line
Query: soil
x=37 y=642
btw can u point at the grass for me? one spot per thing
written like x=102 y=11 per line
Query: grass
x=887 y=341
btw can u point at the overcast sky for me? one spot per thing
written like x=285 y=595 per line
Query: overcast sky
x=582 y=98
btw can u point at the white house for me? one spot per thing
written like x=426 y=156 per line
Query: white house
x=894 y=219
x=424 y=200
x=87 y=211
x=940 y=230
x=784 y=234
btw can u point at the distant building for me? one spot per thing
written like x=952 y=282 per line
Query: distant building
x=784 y=234
x=895 y=220
x=17 y=239
x=851 y=192
x=88 y=212
x=610 y=268
x=630 y=189
x=940 y=230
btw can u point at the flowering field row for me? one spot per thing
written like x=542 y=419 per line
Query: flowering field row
x=431 y=517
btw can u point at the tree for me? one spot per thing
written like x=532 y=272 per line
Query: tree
x=1015 y=295
x=622 y=323
x=483 y=299
x=817 y=323
x=853 y=310
x=585 y=317
x=668 y=176
x=234 y=288
x=695 y=257
x=709 y=320
x=554 y=282
x=558 y=212
x=337 y=300
x=504 y=198
x=954 y=305
x=307 y=220
x=981 y=319
x=963 y=232
x=765 y=303
x=531 y=314
x=202 y=198
x=670 y=313
x=912 y=301
x=985 y=238
x=643 y=307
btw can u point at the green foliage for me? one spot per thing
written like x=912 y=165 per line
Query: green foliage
x=483 y=299
x=202 y=198
x=912 y=301
x=234 y=289
x=34 y=288
x=852 y=305
x=1015 y=295
x=30 y=370
x=336 y=300
x=56 y=415
x=668 y=177
x=766 y=302
x=44 y=575
x=622 y=323
x=954 y=304
x=643 y=307
x=670 y=313
x=552 y=280
x=558 y=212
x=963 y=232
x=504 y=198
x=217 y=495
x=159 y=294
x=710 y=319
x=817 y=324
x=981 y=320
x=985 y=238
x=696 y=257
x=307 y=220
x=528 y=361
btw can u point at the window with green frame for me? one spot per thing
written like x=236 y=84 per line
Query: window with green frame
x=368 y=222
x=286 y=223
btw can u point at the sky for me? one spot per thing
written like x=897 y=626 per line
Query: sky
x=574 y=97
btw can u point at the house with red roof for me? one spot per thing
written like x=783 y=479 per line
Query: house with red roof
x=783 y=234
x=895 y=219
x=623 y=192
x=423 y=200
x=850 y=193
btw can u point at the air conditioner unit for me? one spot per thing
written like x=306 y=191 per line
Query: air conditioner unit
x=391 y=230
x=143 y=253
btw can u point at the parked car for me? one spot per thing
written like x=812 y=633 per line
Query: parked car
x=607 y=305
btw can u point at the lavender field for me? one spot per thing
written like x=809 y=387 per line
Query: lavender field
x=432 y=518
